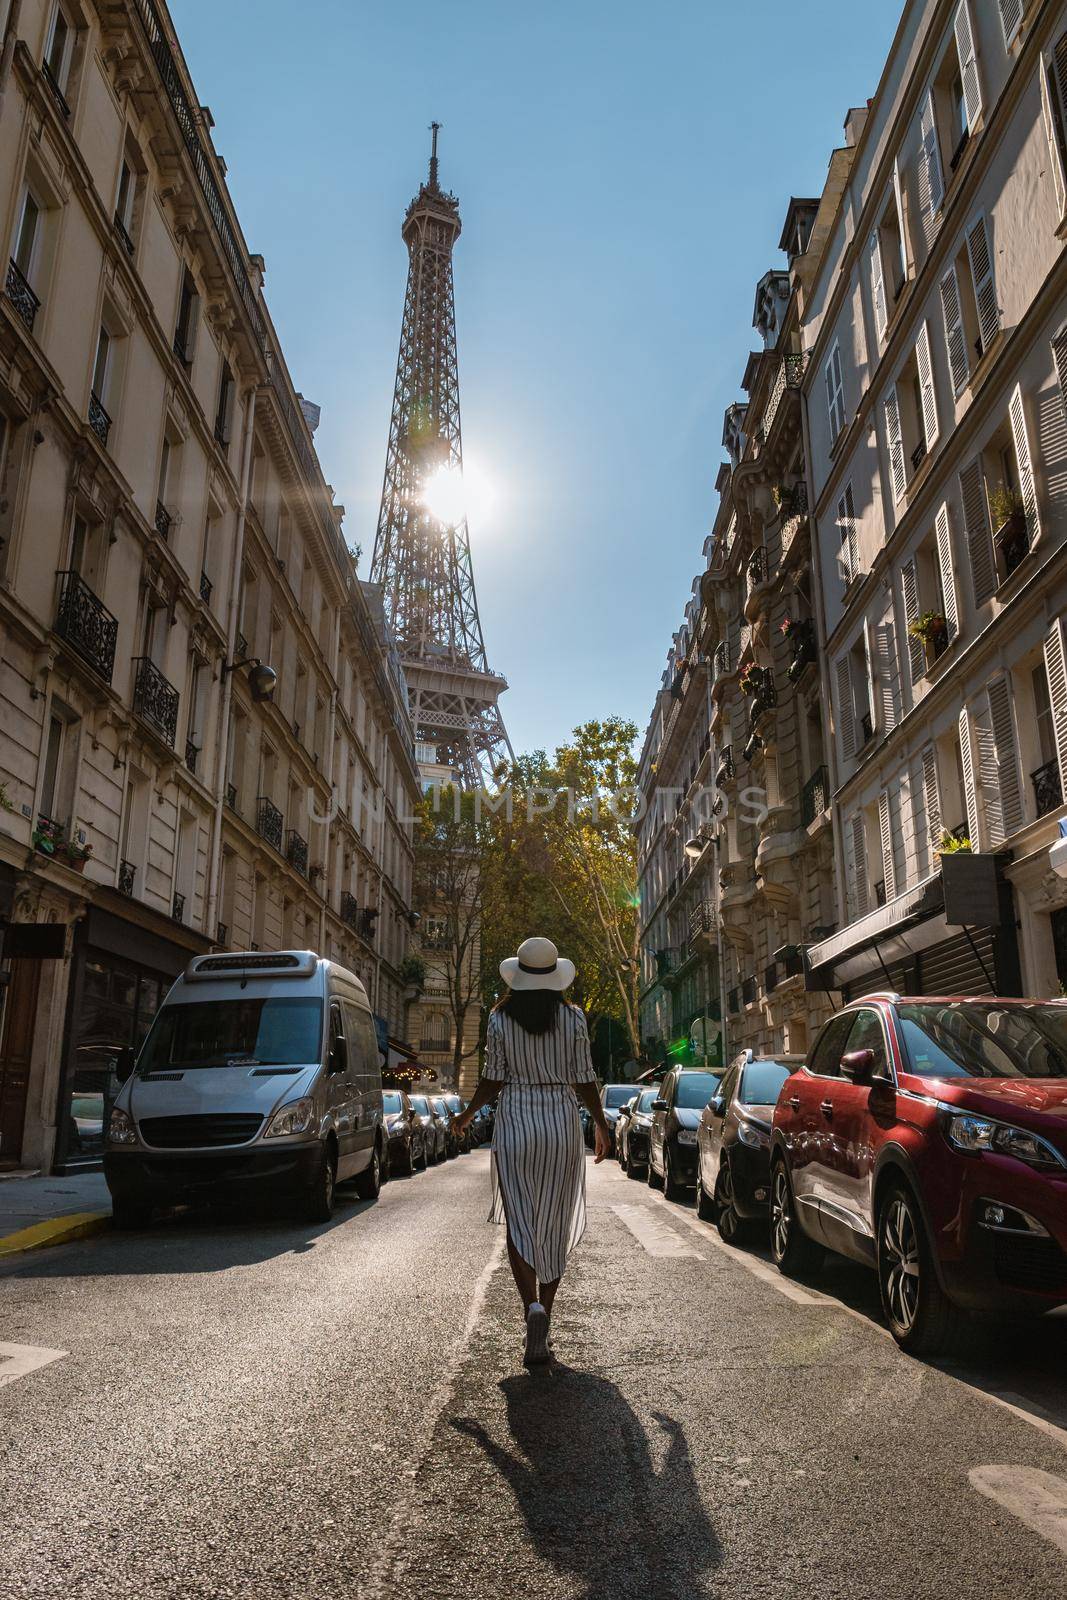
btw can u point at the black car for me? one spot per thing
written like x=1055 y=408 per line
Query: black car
x=635 y=1135
x=672 y=1148
x=405 y=1147
x=456 y=1105
x=734 y=1144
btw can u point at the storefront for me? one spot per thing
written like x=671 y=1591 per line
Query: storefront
x=952 y=934
x=121 y=972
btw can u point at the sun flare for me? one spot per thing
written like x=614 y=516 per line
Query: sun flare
x=452 y=493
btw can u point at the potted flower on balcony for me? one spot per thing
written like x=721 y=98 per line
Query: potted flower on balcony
x=74 y=855
x=800 y=636
x=954 y=844
x=749 y=681
x=47 y=836
x=1010 y=538
x=932 y=629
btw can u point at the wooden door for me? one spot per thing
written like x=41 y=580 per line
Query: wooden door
x=20 y=1014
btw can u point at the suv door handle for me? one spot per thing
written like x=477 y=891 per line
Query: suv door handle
x=794 y=1102
x=827 y=1108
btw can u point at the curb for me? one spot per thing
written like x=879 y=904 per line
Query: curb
x=56 y=1230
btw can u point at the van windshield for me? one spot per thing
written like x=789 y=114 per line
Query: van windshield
x=240 y=1032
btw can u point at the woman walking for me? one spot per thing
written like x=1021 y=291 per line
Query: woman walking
x=537 y=1060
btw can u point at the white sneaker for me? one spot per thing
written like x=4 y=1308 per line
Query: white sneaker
x=536 y=1353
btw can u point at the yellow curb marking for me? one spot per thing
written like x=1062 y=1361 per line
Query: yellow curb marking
x=56 y=1230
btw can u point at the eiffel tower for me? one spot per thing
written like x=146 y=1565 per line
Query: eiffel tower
x=421 y=560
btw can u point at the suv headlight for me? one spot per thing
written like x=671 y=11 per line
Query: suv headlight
x=120 y=1130
x=976 y=1135
x=755 y=1138
x=296 y=1117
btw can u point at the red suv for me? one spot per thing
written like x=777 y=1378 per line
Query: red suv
x=928 y=1139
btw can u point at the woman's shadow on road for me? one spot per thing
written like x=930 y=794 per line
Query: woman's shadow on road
x=585 y=1481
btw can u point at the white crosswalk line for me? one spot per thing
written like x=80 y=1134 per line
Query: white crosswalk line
x=1039 y=1499
x=657 y=1237
x=16 y=1360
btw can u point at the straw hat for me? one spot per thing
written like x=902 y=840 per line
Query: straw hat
x=538 y=965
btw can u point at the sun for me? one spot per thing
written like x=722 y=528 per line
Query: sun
x=453 y=493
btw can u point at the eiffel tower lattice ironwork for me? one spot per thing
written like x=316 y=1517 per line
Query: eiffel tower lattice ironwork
x=423 y=563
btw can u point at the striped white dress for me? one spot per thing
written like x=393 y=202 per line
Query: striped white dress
x=538 y=1156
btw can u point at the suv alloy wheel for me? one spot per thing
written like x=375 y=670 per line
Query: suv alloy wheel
x=921 y=1317
x=794 y=1253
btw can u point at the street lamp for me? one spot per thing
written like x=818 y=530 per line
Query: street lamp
x=262 y=680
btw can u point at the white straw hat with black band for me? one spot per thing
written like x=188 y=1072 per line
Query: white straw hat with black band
x=538 y=965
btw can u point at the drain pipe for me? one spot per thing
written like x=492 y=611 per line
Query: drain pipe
x=223 y=739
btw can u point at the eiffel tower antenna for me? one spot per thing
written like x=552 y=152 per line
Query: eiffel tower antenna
x=423 y=563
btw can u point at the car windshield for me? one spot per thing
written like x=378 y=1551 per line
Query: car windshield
x=695 y=1089
x=419 y=1102
x=391 y=1101
x=453 y=1102
x=645 y=1099
x=972 y=1039
x=617 y=1094
x=239 y=1032
x=762 y=1083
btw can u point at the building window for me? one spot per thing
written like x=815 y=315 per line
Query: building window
x=911 y=421
x=60 y=754
x=27 y=237
x=1054 y=105
x=848 y=539
x=188 y=315
x=224 y=409
x=128 y=199
x=887 y=263
x=58 y=50
x=835 y=393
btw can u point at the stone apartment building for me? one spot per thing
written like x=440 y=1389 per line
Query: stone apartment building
x=166 y=537
x=935 y=330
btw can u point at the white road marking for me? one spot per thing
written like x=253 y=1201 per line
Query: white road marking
x=1039 y=1499
x=657 y=1237
x=16 y=1360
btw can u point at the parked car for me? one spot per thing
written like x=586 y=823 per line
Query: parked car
x=638 y=1130
x=432 y=1131
x=613 y=1096
x=406 y=1142
x=486 y=1122
x=587 y=1125
x=260 y=1072
x=625 y=1111
x=734 y=1144
x=439 y=1106
x=672 y=1146
x=455 y=1105
x=927 y=1138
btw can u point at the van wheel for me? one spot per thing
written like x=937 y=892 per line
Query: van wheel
x=369 y=1182
x=921 y=1317
x=318 y=1200
x=794 y=1253
x=130 y=1215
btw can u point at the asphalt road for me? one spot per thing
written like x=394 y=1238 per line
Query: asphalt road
x=265 y=1410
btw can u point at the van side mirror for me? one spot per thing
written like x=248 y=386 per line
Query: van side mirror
x=124 y=1060
x=338 y=1060
x=858 y=1066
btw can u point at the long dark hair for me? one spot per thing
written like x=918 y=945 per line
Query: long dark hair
x=533 y=1009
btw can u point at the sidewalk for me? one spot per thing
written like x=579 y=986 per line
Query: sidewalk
x=40 y=1211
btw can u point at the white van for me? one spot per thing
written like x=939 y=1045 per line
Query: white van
x=261 y=1071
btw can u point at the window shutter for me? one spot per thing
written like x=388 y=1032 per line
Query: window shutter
x=870 y=659
x=1056 y=670
x=972 y=86
x=887 y=674
x=988 y=774
x=857 y=865
x=931 y=179
x=985 y=290
x=926 y=384
x=943 y=531
x=885 y=827
x=846 y=713
x=1027 y=489
x=955 y=338
x=831 y=400
x=1011 y=19
x=1059 y=351
x=1054 y=106
x=909 y=579
x=970 y=793
x=931 y=795
x=881 y=317
x=846 y=522
x=895 y=444
x=979 y=533
x=898 y=193
x=1005 y=747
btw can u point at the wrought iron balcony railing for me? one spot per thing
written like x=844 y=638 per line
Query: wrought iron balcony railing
x=99 y=420
x=296 y=851
x=801 y=639
x=725 y=770
x=269 y=821
x=790 y=375
x=57 y=93
x=815 y=796
x=177 y=909
x=206 y=587
x=748 y=991
x=123 y=233
x=127 y=877
x=191 y=753
x=918 y=455
x=162 y=520
x=1048 y=789
x=86 y=624
x=770 y=978
x=757 y=567
x=155 y=699
x=349 y=909
x=21 y=296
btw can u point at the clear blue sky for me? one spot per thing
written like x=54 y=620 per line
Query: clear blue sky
x=623 y=170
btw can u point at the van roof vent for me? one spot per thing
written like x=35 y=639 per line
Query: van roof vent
x=275 y=964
